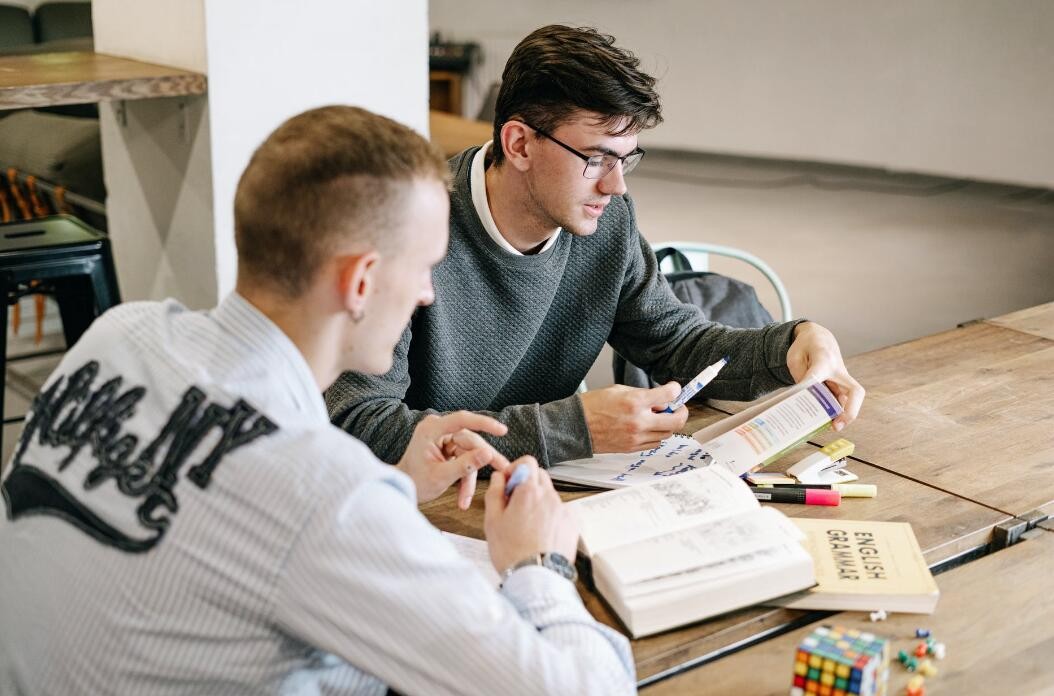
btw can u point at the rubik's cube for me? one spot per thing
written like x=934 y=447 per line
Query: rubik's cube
x=841 y=662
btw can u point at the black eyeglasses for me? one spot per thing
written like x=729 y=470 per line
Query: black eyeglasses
x=597 y=166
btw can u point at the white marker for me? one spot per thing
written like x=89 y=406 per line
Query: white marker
x=695 y=386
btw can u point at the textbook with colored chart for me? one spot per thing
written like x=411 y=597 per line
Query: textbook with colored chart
x=865 y=566
x=677 y=550
x=739 y=443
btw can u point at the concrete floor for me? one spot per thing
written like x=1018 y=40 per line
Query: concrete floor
x=25 y=377
x=878 y=258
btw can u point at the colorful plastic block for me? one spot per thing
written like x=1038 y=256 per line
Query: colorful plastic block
x=841 y=662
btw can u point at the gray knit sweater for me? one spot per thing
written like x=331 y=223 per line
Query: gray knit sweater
x=512 y=336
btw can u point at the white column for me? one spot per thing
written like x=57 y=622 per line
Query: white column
x=172 y=165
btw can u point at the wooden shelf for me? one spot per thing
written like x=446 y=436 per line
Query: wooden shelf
x=444 y=91
x=81 y=77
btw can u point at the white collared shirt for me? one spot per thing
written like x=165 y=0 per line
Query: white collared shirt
x=181 y=517
x=478 y=183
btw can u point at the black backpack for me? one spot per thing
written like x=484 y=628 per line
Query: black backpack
x=725 y=300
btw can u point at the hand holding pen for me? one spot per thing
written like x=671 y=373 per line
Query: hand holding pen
x=629 y=419
x=525 y=516
x=519 y=475
x=695 y=385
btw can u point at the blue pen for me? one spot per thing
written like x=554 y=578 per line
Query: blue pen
x=695 y=386
x=519 y=475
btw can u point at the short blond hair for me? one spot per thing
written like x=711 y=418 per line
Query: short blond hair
x=322 y=178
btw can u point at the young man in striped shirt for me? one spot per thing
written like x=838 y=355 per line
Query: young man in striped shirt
x=181 y=517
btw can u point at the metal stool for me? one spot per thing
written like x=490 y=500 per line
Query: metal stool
x=70 y=261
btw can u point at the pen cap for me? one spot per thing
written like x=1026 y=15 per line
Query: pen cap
x=820 y=496
x=519 y=475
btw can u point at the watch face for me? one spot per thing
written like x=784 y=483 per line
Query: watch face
x=559 y=563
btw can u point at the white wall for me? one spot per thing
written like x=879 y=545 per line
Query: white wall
x=167 y=32
x=960 y=88
x=271 y=60
x=172 y=167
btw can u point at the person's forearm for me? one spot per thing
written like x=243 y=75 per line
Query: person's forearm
x=552 y=605
x=672 y=340
x=385 y=591
x=551 y=432
x=385 y=425
x=757 y=359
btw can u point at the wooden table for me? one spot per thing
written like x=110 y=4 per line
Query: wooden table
x=958 y=434
x=969 y=411
x=1038 y=321
x=453 y=133
x=995 y=615
x=945 y=525
x=81 y=77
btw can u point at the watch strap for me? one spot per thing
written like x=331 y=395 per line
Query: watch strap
x=555 y=562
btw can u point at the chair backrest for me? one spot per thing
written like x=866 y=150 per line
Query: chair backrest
x=695 y=256
x=725 y=300
x=62 y=20
x=16 y=28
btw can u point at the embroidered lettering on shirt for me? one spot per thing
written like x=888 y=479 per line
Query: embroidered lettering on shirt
x=74 y=415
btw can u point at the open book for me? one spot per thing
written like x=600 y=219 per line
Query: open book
x=682 y=549
x=865 y=566
x=475 y=551
x=742 y=442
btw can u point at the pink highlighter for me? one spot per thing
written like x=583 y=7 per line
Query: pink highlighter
x=805 y=496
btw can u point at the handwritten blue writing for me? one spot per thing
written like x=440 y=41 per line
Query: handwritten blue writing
x=629 y=470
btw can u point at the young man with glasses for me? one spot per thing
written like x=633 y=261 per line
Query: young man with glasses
x=546 y=264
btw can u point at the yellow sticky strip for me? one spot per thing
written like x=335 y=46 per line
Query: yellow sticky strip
x=839 y=449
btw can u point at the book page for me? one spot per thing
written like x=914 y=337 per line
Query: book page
x=640 y=512
x=737 y=419
x=475 y=551
x=746 y=565
x=738 y=443
x=781 y=424
x=674 y=455
x=692 y=552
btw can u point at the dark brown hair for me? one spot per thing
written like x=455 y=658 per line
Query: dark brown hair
x=323 y=177
x=558 y=70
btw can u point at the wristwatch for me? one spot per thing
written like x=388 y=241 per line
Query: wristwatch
x=555 y=562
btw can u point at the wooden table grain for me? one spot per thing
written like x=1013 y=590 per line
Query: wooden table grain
x=81 y=77
x=945 y=525
x=453 y=133
x=969 y=411
x=958 y=434
x=995 y=615
x=1038 y=320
